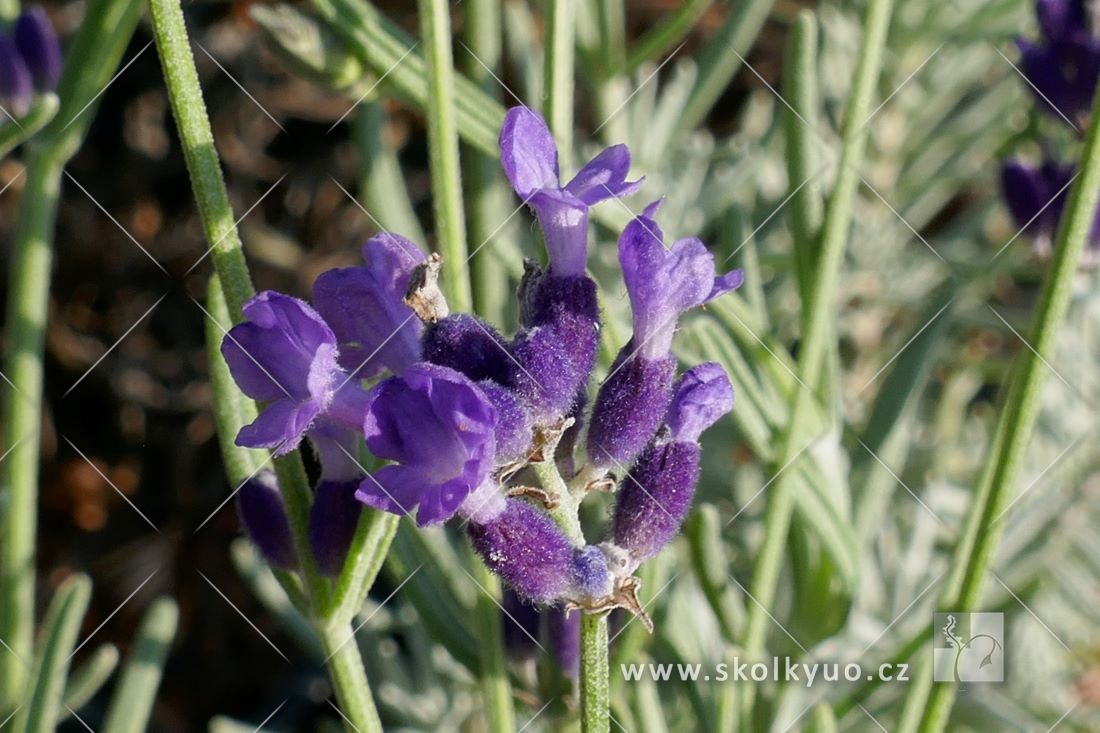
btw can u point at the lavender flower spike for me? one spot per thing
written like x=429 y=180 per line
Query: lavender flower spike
x=530 y=159
x=656 y=495
x=37 y=42
x=662 y=284
x=365 y=307
x=260 y=508
x=527 y=550
x=1062 y=69
x=286 y=355
x=438 y=427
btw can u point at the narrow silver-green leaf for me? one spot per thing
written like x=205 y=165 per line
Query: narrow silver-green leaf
x=132 y=702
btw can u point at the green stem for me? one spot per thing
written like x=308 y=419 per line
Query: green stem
x=558 y=71
x=349 y=679
x=204 y=168
x=982 y=533
x=14 y=134
x=612 y=27
x=189 y=109
x=450 y=219
x=595 y=683
x=93 y=57
x=9 y=11
x=799 y=125
x=366 y=554
x=665 y=34
x=718 y=63
x=486 y=198
x=565 y=502
x=816 y=315
x=496 y=688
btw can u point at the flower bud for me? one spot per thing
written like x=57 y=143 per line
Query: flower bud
x=513 y=433
x=333 y=519
x=592 y=577
x=527 y=550
x=654 y=498
x=261 y=511
x=37 y=42
x=16 y=86
x=629 y=408
x=471 y=346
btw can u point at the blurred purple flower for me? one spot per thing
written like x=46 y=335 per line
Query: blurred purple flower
x=263 y=515
x=286 y=355
x=438 y=428
x=16 y=85
x=530 y=159
x=365 y=307
x=1063 y=67
x=37 y=42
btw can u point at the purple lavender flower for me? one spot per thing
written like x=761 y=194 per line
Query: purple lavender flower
x=564 y=632
x=656 y=494
x=592 y=578
x=558 y=346
x=469 y=345
x=530 y=159
x=16 y=85
x=1036 y=196
x=662 y=284
x=286 y=355
x=365 y=307
x=37 y=42
x=513 y=434
x=438 y=428
x=1063 y=68
x=527 y=550
x=261 y=511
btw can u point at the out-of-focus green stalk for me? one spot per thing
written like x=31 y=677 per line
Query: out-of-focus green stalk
x=344 y=663
x=610 y=17
x=485 y=211
x=13 y=134
x=87 y=679
x=92 y=59
x=665 y=34
x=446 y=174
x=390 y=51
x=717 y=62
x=9 y=11
x=982 y=532
x=132 y=703
x=558 y=70
x=496 y=688
x=816 y=315
x=595 y=680
x=486 y=198
x=381 y=186
x=799 y=125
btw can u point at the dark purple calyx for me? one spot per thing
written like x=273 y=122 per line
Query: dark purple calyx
x=629 y=408
x=263 y=515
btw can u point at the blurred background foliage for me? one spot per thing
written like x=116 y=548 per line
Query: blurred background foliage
x=935 y=290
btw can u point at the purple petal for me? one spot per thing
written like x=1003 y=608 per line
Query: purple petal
x=563 y=219
x=604 y=177
x=726 y=283
x=702 y=395
x=365 y=307
x=394 y=489
x=37 y=43
x=528 y=152
x=280 y=426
